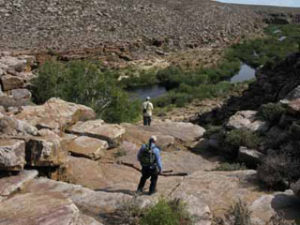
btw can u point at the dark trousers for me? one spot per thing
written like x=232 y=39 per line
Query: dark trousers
x=147 y=120
x=146 y=174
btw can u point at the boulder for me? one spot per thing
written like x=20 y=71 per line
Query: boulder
x=293 y=106
x=293 y=95
x=296 y=188
x=8 y=101
x=250 y=157
x=199 y=211
x=98 y=129
x=12 y=155
x=13 y=63
x=21 y=94
x=86 y=147
x=55 y=114
x=12 y=126
x=10 y=82
x=44 y=152
x=246 y=120
x=39 y=208
x=267 y=206
x=9 y=185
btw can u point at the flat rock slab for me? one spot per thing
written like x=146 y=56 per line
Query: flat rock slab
x=86 y=147
x=140 y=135
x=98 y=129
x=55 y=114
x=12 y=154
x=9 y=185
x=185 y=132
x=94 y=202
x=220 y=190
x=171 y=160
x=39 y=208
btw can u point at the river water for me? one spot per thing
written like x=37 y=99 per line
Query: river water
x=280 y=3
x=246 y=73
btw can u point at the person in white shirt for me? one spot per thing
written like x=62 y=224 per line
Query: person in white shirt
x=147 y=111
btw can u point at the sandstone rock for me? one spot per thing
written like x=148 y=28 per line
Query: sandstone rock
x=21 y=94
x=95 y=202
x=55 y=114
x=269 y=205
x=199 y=211
x=8 y=101
x=48 y=134
x=219 y=190
x=246 y=120
x=93 y=176
x=250 y=157
x=42 y=208
x=140 y=135
x=175 y=160
x=87 y=220
x=186 y=132
x=11 y=126
x=87 y=147
x=296 y=188
x=44 y=152
x=293 y=106
x=98 y=129
x=9 y=185
x=293 y=95
x=10 y=82
x=13 y=63
x=12 y=155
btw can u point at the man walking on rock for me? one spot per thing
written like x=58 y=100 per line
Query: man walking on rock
x=147 y=111
x=149 y=158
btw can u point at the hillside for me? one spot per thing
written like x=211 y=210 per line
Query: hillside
x=127 y=25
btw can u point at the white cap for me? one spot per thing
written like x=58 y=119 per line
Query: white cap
x=148 y=98
x=154 y=138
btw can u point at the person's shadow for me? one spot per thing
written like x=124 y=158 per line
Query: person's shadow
x=124 y=191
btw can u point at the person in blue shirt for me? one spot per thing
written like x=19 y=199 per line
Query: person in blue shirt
x=149 y=158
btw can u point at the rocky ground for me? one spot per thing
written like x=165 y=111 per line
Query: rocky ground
x=121 y=30
x=61 y=165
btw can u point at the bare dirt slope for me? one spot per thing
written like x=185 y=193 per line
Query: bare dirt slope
x=134 y=24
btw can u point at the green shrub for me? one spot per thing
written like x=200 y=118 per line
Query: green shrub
x=271 y=112
x=230 y=167
x=240 y=137
x=212 y=130
x=167 y=213
x=85 y=83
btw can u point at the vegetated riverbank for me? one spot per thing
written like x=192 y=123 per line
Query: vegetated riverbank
x=95 y=85
x=186 y=85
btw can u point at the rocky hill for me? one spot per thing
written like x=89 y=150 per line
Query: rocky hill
x=129 y=25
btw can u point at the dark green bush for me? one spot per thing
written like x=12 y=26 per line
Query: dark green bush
x=240 y=137
x=230 y=167
x=278 y=170
x=167 y=213
x=271 y=112
x=85 y=83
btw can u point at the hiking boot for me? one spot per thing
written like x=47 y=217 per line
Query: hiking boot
x=139 y=192
x=151 y=192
